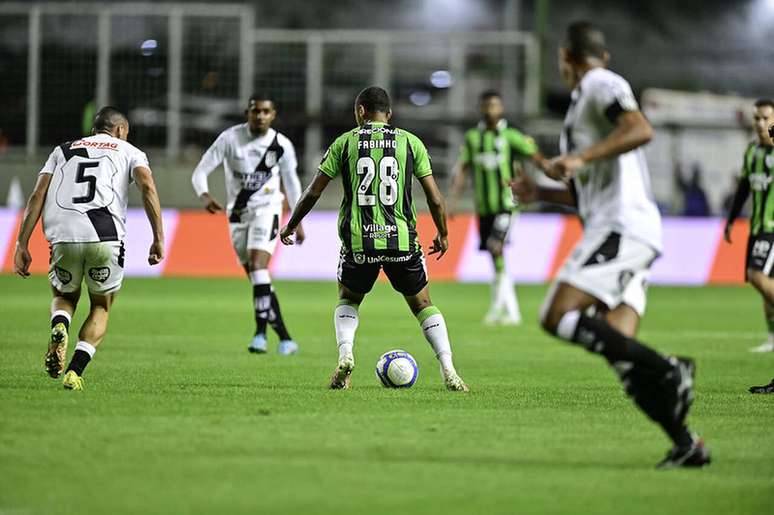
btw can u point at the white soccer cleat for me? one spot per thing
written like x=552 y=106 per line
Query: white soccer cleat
x=341 y=376
x=492 y=317
x=764 y=347
x=510 y=320
x=454 y=382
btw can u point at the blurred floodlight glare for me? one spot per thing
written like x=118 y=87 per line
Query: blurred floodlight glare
x=420 y=98
x=148 y=47
x=441 y=79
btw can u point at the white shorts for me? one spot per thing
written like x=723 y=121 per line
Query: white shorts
x=100 y=264
x=612 y=268
x=260 y=232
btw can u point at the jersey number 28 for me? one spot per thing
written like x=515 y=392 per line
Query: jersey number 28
x=388 y=181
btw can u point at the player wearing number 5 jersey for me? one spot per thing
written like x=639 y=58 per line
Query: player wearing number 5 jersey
x=377 y=226
x=82 y=195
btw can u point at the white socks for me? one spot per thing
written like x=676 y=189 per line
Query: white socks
x=86 y=347
x=434 y=327
x=62 y=313
x=260 y=277
x=506 y=296
x=345 y=321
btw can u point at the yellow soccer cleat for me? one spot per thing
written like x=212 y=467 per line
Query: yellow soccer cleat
x=72 y=381
x=57 y=351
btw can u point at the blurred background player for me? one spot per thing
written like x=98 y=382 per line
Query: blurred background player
x=756 y=176
x=377 y=226
x=81 y=193
x=490 y=152
x=259 y=164
x=608 y=181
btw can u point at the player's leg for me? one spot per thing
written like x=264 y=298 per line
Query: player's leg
x=495 y=311
x=409 y=277
x=356 y=278
x=103 y=267
x=765 y=286
x=65 y=275
x=89 y=338
x=504 y=292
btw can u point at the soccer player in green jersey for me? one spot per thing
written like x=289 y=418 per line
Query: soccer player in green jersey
x=489 y=154
x=377 y=226
x=757 y=175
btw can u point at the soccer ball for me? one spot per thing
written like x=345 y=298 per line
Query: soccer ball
x=397 y=369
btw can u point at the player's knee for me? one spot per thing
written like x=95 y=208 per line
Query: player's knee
x=550 y=318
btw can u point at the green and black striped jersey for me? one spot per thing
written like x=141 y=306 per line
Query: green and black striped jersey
x=377 y=163
x=490 y=155
x=757 y=169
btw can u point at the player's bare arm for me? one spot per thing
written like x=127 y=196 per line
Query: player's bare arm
x=742 y=192
x=457 y=187
x=300 y=234
x=437 y=208
x=305 y=204
x=210 y=204
x=22 y=258
x=632 y=130
x=527 y=191
x=150 y=201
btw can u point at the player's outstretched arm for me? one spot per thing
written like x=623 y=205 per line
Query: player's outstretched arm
x=742 y=192
x=308 y=199
x=437 y=208
x=458 y=186
x=22 y=257
x=632 y=130
x=150 y=200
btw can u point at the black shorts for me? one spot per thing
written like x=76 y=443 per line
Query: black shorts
x=406 y=272
x=760 y=253
x=493 y=227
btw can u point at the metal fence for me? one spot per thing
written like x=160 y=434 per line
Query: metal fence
x=183 y=72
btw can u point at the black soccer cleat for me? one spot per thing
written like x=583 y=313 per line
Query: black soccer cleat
x=694 y=455
x=768 y=388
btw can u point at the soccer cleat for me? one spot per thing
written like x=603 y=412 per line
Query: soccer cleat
x=492 y=317
x=57 y=351
x=287 y=347
x=769 y=388
x=258 y=345
x=454 y=382
x=72 y=381
x=694 y=455
x=341 y=376
x=511 y=321
x=764 y=347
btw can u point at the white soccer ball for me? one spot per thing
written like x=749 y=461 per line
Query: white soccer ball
x=397 y=369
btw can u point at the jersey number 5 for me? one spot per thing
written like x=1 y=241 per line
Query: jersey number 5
x=388 y=181
x=90 y=180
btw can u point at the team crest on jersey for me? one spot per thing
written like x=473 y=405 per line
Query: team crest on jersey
x=769 y=161
x=99 y=274
x=359 y=258
x=759 y=181
x=270 y=158
x=63 y=275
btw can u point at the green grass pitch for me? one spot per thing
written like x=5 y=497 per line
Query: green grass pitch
x=177 y=417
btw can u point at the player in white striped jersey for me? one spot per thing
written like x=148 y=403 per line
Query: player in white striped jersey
x=81 y=193
x=259 y=163
x=604 y=167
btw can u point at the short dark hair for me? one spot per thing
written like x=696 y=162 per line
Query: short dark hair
x=486 y=95
x=108 y=118
x=763 y=102
x=584 y=41
x=374 y=100
x=260 y=97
